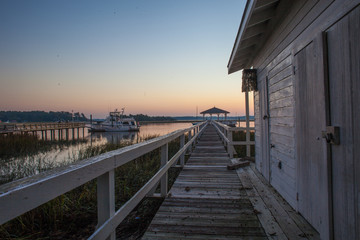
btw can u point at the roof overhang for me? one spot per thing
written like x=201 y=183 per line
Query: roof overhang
x=215 y=110
x=254 y=28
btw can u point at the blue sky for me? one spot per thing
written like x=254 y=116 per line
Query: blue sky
x=152 y=57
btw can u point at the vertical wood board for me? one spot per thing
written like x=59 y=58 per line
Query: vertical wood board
x=344 y=76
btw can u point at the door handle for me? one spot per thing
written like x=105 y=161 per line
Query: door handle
x=332 y=135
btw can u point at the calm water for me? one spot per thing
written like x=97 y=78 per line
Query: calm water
x=31 y=165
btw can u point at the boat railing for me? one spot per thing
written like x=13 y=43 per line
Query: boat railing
x=21 y=196
x=226 y=134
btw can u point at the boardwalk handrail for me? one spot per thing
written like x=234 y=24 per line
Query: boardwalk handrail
x=226 y=135
x=26 y=194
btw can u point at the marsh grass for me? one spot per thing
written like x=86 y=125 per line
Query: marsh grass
x=19 y=145
x=74 y=215
x=23 y=155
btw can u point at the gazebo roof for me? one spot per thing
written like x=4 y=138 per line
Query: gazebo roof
x=215 y=110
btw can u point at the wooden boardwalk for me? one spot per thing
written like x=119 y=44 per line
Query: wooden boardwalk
x=207 y=201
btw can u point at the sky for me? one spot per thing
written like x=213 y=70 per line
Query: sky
x=160 y=58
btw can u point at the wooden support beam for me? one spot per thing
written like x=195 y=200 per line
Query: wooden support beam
x=237 y=163
x=247 y=124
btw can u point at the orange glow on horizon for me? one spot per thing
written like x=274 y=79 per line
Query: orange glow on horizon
x=150 y=57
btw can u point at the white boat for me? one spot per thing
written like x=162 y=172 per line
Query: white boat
x=115 y=122
x=230 y=123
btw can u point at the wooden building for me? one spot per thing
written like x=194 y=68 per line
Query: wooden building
x=307 y=105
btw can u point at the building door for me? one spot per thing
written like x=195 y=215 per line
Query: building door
x=312 y=166
x=264 y=118
x=343 y=48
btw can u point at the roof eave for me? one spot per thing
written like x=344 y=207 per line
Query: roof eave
x=259 y=18
x=250 y=4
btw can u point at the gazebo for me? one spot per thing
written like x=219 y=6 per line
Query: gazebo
x=216 y=111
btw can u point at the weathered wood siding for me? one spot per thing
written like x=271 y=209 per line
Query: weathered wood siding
x=344 y=108
x=281 y=127
x=302 y=24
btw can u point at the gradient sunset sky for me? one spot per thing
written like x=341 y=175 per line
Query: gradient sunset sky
x=152 y=57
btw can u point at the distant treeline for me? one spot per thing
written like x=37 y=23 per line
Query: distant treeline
x=142 y=117
x=40 y=116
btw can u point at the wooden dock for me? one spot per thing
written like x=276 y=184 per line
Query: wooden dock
x=207 y=201
x=45 y=128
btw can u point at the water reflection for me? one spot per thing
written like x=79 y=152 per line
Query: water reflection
x=153 y=129
x=113 y=137
x=63 y=154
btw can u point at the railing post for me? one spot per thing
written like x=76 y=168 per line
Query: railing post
x=182 y=143
x=189 y=138
x=230 y=144
x=164 y=179
x=224 y=131
x=247 y=124
x=106 y=199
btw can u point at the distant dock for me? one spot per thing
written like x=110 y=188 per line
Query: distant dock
x=52 y=128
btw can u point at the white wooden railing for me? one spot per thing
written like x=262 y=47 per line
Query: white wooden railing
x=226 y=134
x=24 y=195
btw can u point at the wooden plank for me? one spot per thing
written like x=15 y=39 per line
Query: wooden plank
x=283 y=121
x=279 y=67
x=184 y=236
x=355 y=66
x=282 y=93
x=207 y=222
x=282 y=112
x=281 y=83
x=298 y=219
x=287 y=225
x=271 y=227
x=285 y=140
x=266 y=218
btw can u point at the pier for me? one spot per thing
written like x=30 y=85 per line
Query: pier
x=61 y=129
x=207 y=201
